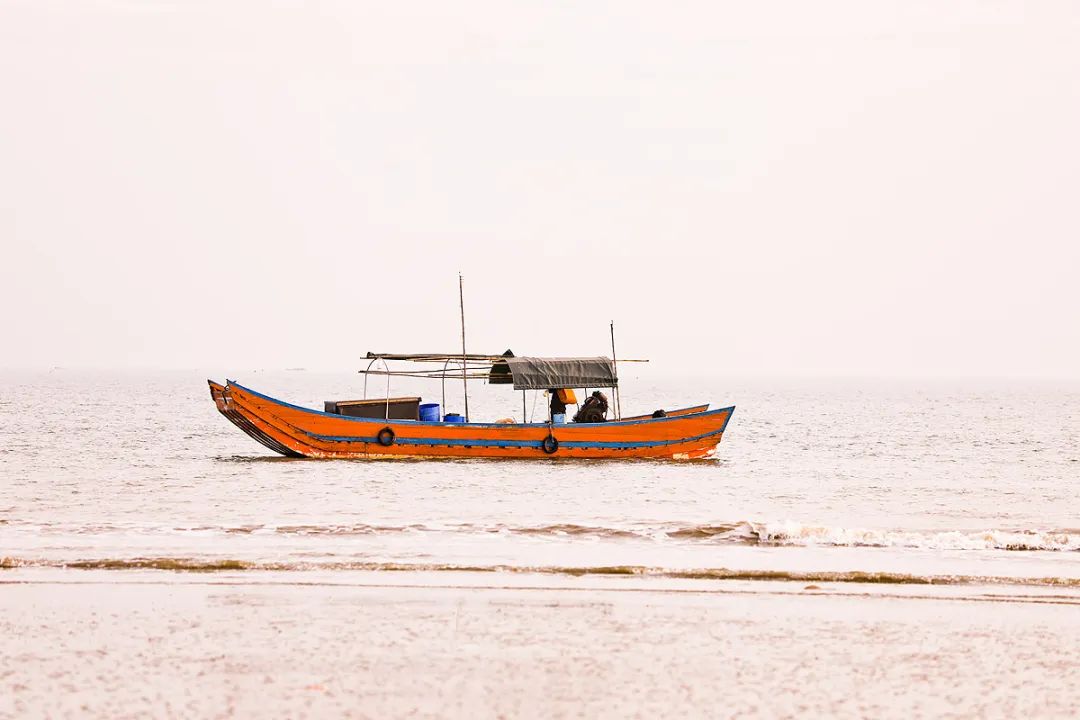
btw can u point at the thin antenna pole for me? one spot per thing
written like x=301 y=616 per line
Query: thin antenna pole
x=444 y=367
x=615 y=365
x=464 y=355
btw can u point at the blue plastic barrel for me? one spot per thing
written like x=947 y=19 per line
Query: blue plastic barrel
x=453 y=417
x=429 y=412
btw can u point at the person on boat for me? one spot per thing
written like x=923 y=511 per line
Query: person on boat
x=558 y=406
x=559 y=400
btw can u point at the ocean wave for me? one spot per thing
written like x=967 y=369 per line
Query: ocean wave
x=800 y=534
x=795 y=534
x=567 y=530
x=212 y=565
x=775 y=533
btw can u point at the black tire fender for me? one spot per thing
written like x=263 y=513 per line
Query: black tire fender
x=386 y=436
x=550 y=444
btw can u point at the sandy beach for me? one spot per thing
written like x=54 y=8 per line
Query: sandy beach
x=372 y=645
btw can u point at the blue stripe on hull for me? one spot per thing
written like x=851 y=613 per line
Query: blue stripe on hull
x=538 y=444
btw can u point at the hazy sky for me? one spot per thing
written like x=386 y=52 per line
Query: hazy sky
x=829 y=188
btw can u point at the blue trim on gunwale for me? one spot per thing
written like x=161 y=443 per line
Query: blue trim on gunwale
x=728 y=418
x=414 y=423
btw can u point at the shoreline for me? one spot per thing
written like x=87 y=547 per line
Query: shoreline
x=1067 y=593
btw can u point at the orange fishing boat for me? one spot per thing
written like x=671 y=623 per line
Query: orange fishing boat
x=393 y=427
x=396 y=427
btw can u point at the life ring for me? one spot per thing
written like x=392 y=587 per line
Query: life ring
x=550 y=444
x=386 y=437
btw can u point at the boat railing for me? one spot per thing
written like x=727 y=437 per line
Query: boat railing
x=457 y=366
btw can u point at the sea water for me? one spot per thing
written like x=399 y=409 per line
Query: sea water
x=855 y=548
x=924 y=479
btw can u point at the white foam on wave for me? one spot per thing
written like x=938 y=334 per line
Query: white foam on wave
x=779 y=533
x=800 y=534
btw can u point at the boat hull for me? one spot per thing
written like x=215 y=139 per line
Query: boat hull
x=301 y=432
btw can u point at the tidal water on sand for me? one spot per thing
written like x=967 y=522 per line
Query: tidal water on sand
x=960 y=492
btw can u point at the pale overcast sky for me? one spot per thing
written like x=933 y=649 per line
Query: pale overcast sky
x=779 y=187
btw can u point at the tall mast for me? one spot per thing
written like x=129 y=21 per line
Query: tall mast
x=615 y=367
x=464 y=355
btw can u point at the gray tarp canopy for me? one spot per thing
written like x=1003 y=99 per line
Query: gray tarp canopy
x=533 y=373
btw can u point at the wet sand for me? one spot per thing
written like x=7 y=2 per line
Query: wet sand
x=145 y=643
